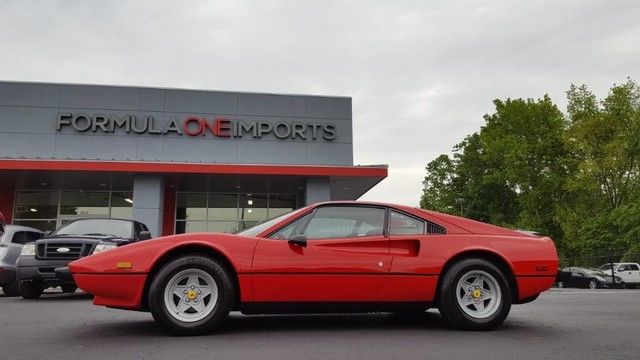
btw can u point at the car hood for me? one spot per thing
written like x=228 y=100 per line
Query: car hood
x=95 y=239
x=142 y=255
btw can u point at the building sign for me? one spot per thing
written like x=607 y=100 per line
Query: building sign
x=196 y=126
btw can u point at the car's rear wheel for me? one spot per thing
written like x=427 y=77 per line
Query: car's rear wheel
x=474 y=295
x=30 y=289
x=560 y=284
x=11 y=289
x=192 y=294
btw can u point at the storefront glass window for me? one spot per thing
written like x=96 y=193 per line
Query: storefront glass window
x=228 y=212
x=84 y=203
x=192 y=206
x=47 y=210
x=36 y=205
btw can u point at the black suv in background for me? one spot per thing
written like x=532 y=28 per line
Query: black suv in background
x=37 y=263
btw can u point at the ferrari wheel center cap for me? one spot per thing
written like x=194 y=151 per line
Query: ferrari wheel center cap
x=191 y=294
x=477 y=294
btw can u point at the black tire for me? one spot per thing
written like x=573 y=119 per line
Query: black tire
x=593 y=284
x=448 y=303
x=11 y=289
x=68 y=289
x=560 y=284
x=30 y=290
x=225 y=302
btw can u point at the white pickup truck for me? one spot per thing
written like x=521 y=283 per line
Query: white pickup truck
x=629 y=272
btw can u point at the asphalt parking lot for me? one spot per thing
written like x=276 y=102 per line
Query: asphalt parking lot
x=561 y=324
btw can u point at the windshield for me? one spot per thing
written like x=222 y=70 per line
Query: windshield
x=593 y=272
x=110 y=227
x=256 y=229
x=606 y=267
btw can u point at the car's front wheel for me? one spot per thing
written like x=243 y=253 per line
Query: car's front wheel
x=192 y=294
x=30 y=289
x=474 y=295
x=593 y=284
x=68 y=289
x=11 y=289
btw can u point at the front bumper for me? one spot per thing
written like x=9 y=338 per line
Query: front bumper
x=114 y=290
x=30 y=269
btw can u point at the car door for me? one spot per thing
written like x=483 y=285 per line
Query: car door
x=630 y=273
x=411 y=278
x=635 y=273
x=578 y=278
x=623 y=271
x=346 y=257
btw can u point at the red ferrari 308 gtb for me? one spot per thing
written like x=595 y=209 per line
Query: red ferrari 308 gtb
x=327 y=257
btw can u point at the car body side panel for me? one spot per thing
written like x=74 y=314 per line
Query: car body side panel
x=316 y=287
x=324 y=270
x=435 y=250
x=408 y=288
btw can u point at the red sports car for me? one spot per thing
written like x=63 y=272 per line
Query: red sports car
x=327 y=257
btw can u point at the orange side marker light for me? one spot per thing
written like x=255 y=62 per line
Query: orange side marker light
x=125 y=265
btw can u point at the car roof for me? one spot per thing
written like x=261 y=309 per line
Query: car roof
x=453 y=223
x=14 y=228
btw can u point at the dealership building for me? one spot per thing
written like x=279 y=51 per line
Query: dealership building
x=177 y=160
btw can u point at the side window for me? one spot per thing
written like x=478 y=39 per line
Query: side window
x=292 y=230
x=31 y=236
x=623 y=268
x=400 y=224
x=633 y=267
x=19 y=238
x=345 y=221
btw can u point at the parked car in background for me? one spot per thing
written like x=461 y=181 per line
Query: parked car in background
x=42 y=264
x=577 y=277
x=12 y=238
x=629 y=272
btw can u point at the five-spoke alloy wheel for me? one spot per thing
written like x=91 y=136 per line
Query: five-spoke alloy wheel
x=478 y=294
x=474 y=295
x=191 y=294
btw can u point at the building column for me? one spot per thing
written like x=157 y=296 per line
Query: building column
x=317 y=190
x=148 y=201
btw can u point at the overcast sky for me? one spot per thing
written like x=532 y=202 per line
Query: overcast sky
x=421 y=74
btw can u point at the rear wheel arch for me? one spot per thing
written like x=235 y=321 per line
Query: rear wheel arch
x=186 y=249
x=488 y=255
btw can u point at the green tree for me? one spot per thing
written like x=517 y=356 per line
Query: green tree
x=575 y=177
x=604 y=141
x=437 y=184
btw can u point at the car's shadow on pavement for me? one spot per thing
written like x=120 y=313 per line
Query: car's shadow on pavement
x=53 y=297
x=239 y=324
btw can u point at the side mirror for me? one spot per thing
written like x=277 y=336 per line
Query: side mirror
x=144 y=235
x=46 y=233
x=299 y=240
